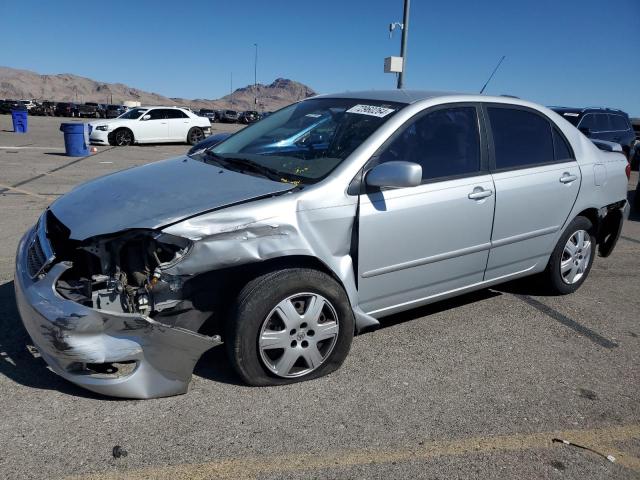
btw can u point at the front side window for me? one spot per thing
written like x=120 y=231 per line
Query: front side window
x=521 y=138
x=445 y=142
x=133 y=113
x=588 y=121
x=303 y=142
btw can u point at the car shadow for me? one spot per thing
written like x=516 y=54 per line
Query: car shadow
x=18 y=363
x=214 y=365
x=437 y=307
x=634 y=214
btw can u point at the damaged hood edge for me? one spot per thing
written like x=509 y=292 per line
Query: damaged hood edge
x=157 y=195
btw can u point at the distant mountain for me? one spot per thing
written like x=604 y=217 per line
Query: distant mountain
x=24 y=84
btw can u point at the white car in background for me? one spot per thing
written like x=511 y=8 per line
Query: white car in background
x=150 y=125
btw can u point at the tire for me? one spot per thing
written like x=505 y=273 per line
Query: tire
x=195 y=135
x=563 y=274
x=255 y=329
x=122 y=137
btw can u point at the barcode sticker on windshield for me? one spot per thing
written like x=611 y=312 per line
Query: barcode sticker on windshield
x=372 y=110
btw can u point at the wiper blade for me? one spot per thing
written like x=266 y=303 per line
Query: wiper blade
x=253 y=166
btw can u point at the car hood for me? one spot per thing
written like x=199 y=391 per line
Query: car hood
x=110 y=121
x=156 y=195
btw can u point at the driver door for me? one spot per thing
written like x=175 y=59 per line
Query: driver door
x=420 y=242
x=153 y=129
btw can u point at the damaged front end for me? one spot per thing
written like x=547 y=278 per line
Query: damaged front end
x=106 y=315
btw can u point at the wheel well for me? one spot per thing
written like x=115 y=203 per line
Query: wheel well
x=112 y=134
x=226 y=284
x=592 y=215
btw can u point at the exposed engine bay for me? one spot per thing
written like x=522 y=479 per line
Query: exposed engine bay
x=125 y=273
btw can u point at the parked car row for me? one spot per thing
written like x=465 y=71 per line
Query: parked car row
x=63 y=109
x=231 y=116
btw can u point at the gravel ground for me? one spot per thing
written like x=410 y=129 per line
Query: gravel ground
x=474 y=387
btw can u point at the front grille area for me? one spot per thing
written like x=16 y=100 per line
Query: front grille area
x=39 y=250
x=36 y=257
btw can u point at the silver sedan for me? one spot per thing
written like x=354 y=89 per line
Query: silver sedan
x=282 y=251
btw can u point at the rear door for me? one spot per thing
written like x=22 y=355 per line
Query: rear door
x=536 y=179
x=417 y=243
x=179 y=124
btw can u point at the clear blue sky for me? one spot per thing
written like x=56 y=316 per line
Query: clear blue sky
x=566 y=52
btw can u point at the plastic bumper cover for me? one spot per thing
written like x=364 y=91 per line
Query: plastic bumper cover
x=69 y=336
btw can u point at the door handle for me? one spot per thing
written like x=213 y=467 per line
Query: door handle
x=568 y=178
x=480 y=193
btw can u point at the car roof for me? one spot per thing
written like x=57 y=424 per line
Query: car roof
x=414 y=96
x=399 y=96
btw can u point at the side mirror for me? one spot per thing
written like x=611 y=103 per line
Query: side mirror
x=146 y=117
x=586 y=131
x=395 y=175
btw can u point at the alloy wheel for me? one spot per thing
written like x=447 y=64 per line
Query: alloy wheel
x=575 y=257
x=196 y=136
x=298 y=335
x=123 y=138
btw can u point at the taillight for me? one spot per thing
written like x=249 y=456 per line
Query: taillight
x=627 y=170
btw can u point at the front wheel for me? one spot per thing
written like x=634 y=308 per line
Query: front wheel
x=195 y=135
x=572 y=257
x=289 y=326
x=122 y=137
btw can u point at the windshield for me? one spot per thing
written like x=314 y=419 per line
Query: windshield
x=304 y=142
x=133 y=113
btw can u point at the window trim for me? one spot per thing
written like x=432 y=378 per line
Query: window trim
x=604 y=113
x=482 y=143
x=491 y=145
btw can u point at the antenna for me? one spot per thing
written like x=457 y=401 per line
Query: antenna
x=492 y=74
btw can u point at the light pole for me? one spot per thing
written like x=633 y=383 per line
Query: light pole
x=403 y=44
x=255 y=75
x=231 y=88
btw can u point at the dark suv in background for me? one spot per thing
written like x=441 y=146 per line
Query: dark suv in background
x=602 y=124
x=65 y=109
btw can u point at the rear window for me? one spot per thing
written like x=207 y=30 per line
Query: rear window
x=618 y=122
x=521 y=138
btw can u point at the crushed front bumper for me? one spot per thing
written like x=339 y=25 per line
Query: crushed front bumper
x=72 y=338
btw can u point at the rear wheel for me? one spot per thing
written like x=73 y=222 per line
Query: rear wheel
x=289 y=326
x=572 y=257
x=195 y=135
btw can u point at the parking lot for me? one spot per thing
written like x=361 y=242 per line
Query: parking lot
x=474 y=387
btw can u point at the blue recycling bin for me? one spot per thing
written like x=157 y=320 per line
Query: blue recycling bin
x=76 y=139
x=20 y=121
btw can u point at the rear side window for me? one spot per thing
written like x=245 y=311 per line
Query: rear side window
x=175 y=114
x=618 y=122
x=521 y=138
x=561 y=150
x=602 y=122
x=444 y=142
